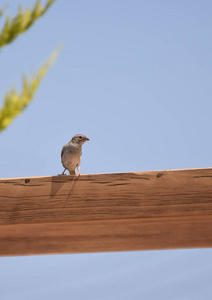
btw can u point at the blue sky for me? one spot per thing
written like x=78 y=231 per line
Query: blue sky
x=135 y=77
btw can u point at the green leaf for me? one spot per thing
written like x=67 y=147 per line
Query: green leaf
x=23 y=21
x=14 y=102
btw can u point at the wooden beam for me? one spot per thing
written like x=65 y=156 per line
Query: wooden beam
x=106 y=212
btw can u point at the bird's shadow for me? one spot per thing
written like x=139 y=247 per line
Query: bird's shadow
x=74 y=182
x=58 y=181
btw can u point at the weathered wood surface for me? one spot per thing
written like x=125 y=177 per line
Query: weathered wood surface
x=106 y=212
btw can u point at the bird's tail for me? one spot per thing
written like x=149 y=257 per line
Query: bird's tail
x=72 y=172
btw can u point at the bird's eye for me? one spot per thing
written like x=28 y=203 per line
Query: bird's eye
x=80 y=137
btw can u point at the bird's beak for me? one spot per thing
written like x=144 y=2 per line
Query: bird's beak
x=86 y=139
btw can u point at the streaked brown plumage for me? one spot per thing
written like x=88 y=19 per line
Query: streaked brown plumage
x=71 y=154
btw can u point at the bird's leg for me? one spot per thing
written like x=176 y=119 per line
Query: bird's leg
x=63 y=172
x=78 y=169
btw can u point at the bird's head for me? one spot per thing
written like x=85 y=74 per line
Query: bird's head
x=79 y=139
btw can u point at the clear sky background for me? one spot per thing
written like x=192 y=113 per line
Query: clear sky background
x=135 y=77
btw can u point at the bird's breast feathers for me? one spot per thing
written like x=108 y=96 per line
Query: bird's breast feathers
x=70 y=156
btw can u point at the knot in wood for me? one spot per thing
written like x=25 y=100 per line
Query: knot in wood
x=159 y=174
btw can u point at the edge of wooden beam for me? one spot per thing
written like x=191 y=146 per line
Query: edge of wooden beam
x=106 y=236
x=147 y=210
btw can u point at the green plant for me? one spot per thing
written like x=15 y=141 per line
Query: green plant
x=14 y=102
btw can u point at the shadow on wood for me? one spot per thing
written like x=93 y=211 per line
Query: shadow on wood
x=106 y=212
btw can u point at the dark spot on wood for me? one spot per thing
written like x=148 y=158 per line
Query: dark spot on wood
x=115 y=184
x=159 y=175
x=27 y=180
x=203 y=176
x=102 y=182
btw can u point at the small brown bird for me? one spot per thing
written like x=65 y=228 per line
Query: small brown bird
x=71 y=154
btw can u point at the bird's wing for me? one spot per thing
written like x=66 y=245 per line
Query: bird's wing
x=67 y=149
x=62 y=152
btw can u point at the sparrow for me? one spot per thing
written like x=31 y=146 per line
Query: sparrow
x=71 y=154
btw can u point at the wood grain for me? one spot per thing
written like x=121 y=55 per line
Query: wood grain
x=106 y=212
